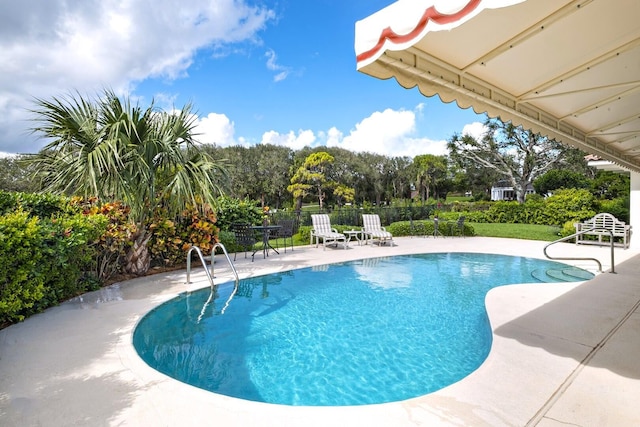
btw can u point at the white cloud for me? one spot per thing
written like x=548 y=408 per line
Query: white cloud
x=216 y=129
x=475 y=129
x=390 y=132
x=50 y=47
x=272 y=64
x=292 y=140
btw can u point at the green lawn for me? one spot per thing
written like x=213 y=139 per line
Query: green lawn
x=517 y=231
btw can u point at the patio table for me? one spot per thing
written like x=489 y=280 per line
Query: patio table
x=266 y=233
x=350 y=234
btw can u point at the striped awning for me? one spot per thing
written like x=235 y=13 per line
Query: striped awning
x=567 y=69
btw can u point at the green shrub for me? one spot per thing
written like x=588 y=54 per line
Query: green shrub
x=427 y=227
x=617 y=207
x=22 y=281
x=230 y=210
x=400 y=228
x=45 y=261
x=506 y=212
x=568 y=228
x=403 y=228
x=8 y=202
x=228 y=239
x=304 y=233
x=69 y=251
x=35 y=204
x=570 y=205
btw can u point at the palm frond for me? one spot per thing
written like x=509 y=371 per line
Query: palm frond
x=113 y=149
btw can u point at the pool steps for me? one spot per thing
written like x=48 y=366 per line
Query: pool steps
x=569 y=274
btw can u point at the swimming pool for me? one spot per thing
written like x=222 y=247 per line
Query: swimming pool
x=361 y=332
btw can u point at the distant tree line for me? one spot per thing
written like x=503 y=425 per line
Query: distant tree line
x=264 y=173
x=280 y=177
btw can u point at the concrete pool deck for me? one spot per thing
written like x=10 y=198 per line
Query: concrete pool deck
x=563 y=354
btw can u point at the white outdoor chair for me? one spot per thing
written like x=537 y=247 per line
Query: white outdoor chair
x=322 y=230
x=372 y=230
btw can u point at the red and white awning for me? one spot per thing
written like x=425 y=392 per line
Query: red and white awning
x=567 y=69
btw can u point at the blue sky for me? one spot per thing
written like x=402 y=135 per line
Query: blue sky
x=280 y=72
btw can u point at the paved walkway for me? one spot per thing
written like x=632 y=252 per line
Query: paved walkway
x=563 y=354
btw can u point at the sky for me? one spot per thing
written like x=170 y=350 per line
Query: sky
x=256 y=72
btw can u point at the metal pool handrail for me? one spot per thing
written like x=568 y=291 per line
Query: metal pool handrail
x=204 y=263
x=574 y=235
x=210 y=275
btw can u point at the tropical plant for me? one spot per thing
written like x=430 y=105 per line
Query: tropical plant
x=115 y=150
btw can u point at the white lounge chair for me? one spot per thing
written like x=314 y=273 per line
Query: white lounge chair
x=322 y=230
x=372 y=230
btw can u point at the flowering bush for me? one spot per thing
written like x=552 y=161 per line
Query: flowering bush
x=172 y=238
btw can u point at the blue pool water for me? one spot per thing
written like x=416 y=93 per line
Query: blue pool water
x=361 y=332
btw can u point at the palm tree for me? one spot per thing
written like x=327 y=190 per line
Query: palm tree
x=114 y=150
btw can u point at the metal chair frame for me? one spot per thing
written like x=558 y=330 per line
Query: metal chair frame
x=245 y=238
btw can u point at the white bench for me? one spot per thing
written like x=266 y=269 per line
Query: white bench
x=599 y=225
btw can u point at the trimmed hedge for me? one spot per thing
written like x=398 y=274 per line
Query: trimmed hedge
x=22 y=283
x=426 y=228
x=44 y=261
x=40 y=205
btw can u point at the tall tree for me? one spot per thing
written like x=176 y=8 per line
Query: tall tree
x=400 y=177
x=431 y=172
x=610 y=185
x=344 y=194
x=473 y=176
x=115 y=150
x=239 y=160
x=271 y=172
x=311 y=178
x=519 y=155
x=375 y=172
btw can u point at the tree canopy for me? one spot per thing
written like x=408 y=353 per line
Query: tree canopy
x=560 y=178
x=311 y=178
x=517 y=154
x=262 y=172
x=431 y=174
x=15 y=175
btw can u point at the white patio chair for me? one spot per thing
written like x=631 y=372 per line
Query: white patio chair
x=372 y=230
x=322 y=230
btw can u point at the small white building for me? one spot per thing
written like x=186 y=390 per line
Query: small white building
x=504 y=191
